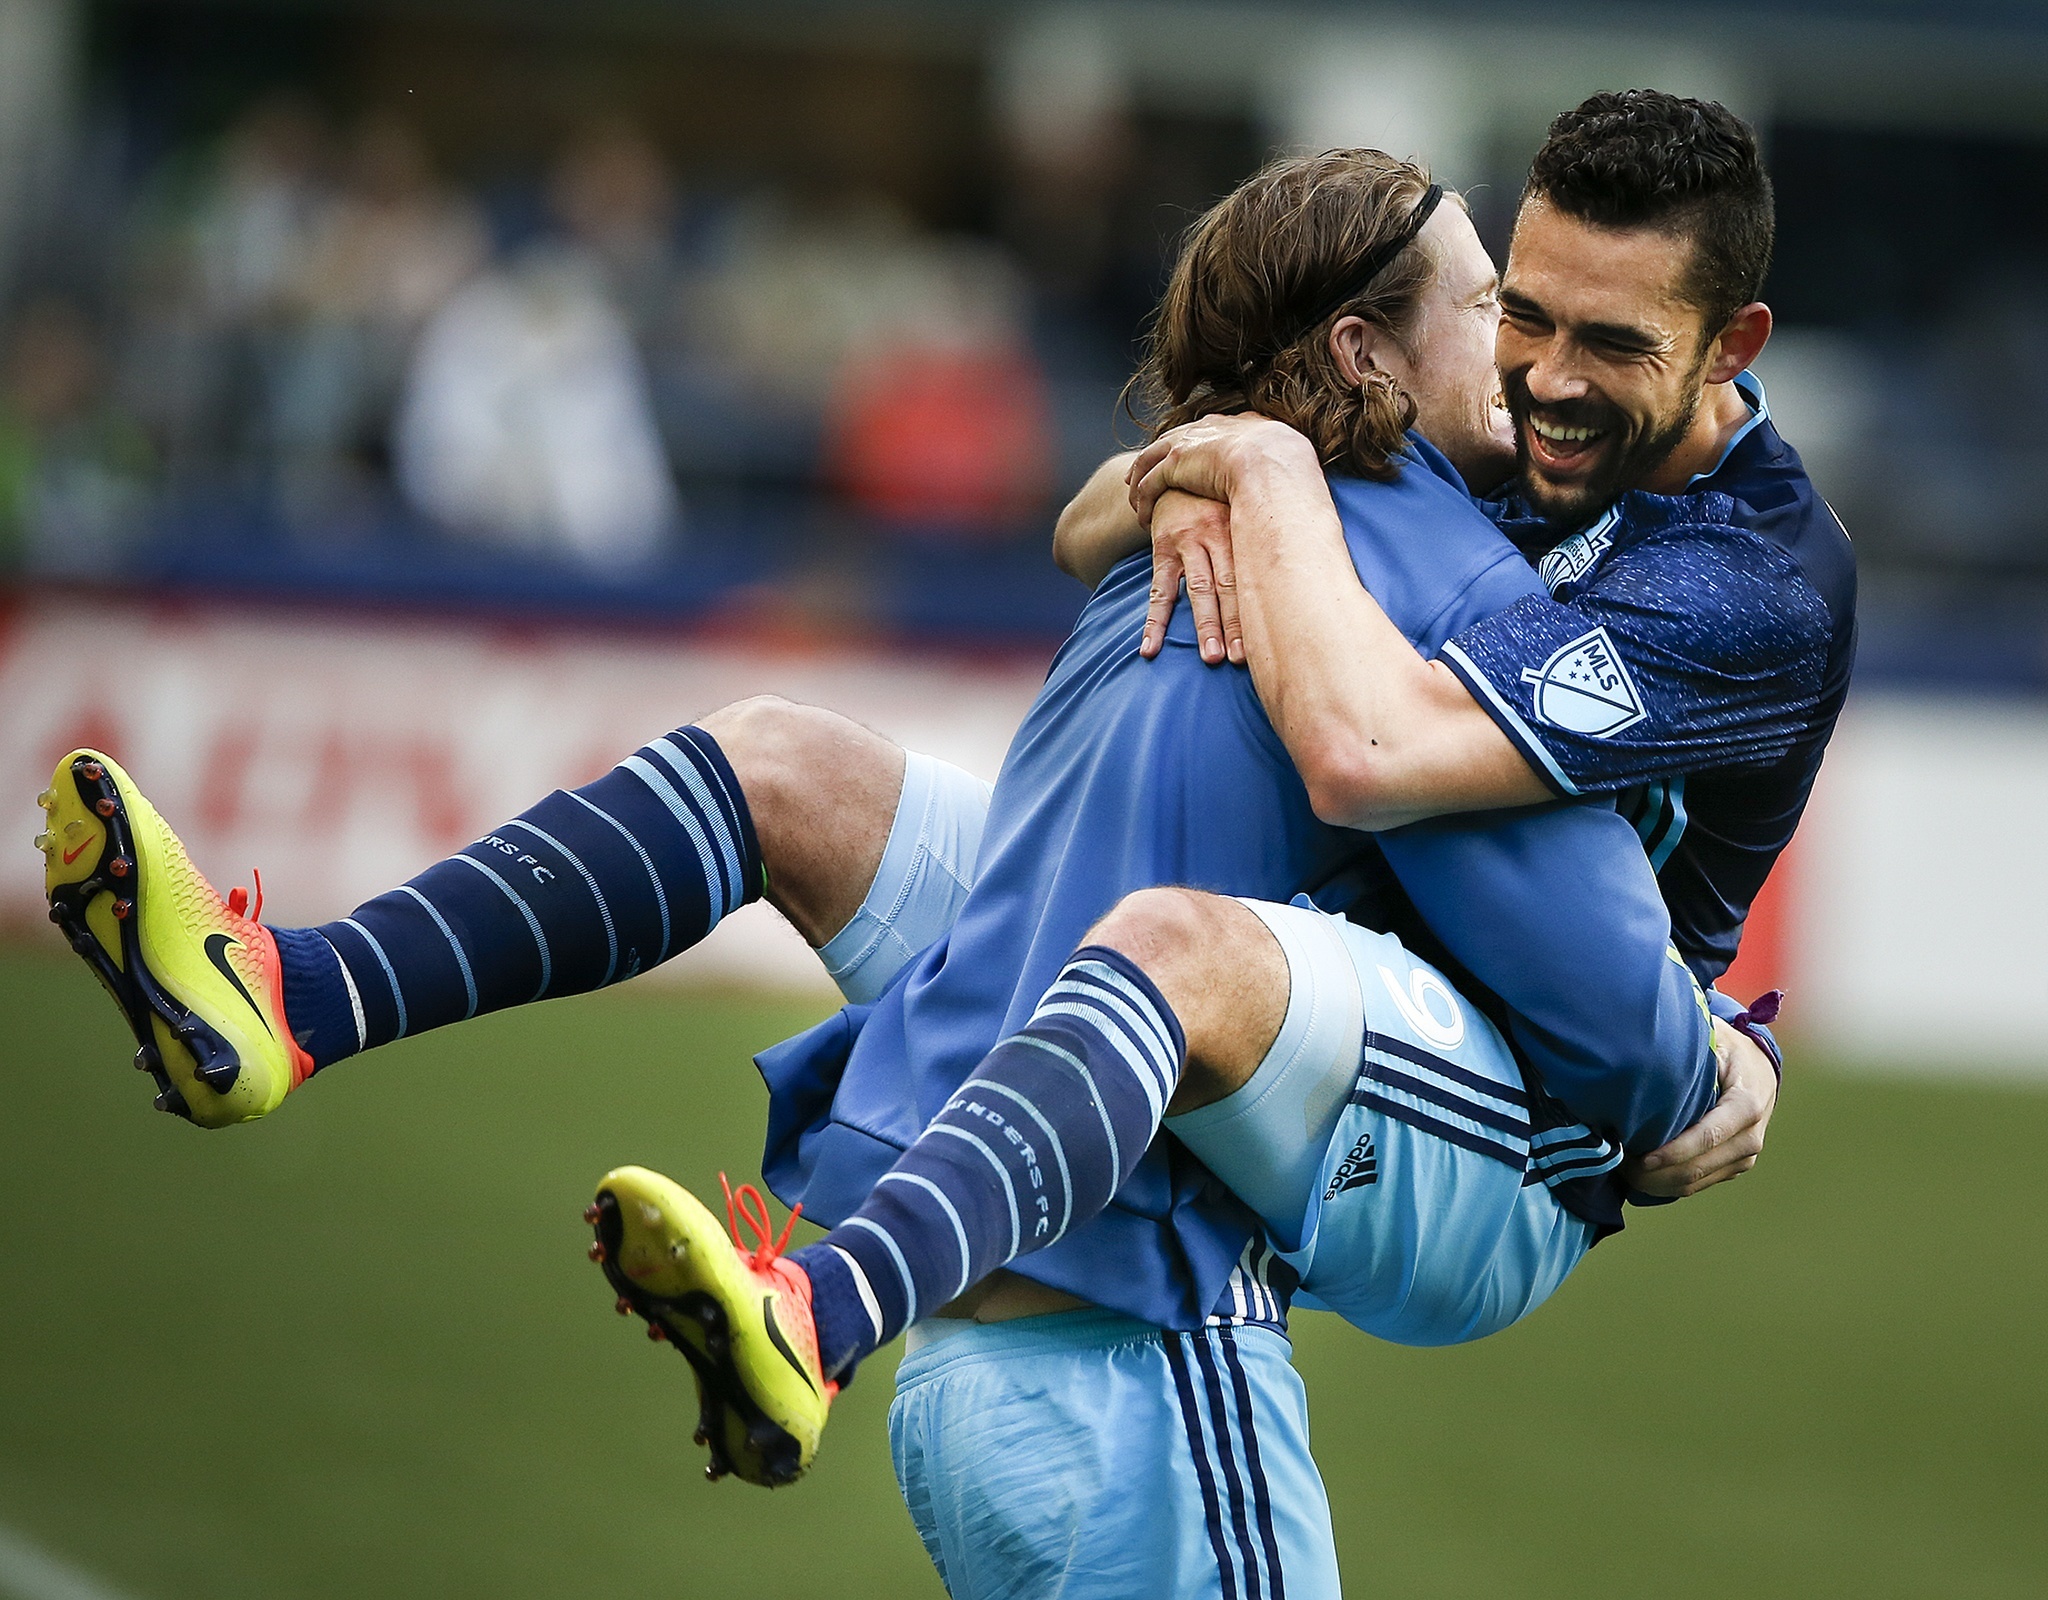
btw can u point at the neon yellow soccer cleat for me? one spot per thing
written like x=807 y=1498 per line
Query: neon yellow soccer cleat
x=199 y=983
x=741 y=1317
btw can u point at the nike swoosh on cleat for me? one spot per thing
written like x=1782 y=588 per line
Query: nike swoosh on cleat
x=72 y=855
x=775 y=1338
x=217 y=952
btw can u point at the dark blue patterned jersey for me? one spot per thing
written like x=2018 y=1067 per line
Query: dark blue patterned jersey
x=1690 y=658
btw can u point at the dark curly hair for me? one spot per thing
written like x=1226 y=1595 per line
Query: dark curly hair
x=1231 y=333
x=1646 y=159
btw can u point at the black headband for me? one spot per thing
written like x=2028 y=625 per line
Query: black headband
x=1371 y=267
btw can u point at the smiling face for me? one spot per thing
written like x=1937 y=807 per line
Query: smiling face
x=1446 y=360
x=1603 y=359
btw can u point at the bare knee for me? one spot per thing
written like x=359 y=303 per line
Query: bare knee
x=1165 y=931
x=767 y=736
x=1220 y=969
x=821 y=791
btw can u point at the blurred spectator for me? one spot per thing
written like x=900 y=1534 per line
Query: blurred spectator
x=956 y=440
x=385 y=253
x=73 y=469
x=527 y=421
x=908 y=346
x=1061 y=101
x=255 y=232
x=616 y=198
x=217 y=257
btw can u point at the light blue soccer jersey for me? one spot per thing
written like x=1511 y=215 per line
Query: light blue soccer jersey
x=1128 y=774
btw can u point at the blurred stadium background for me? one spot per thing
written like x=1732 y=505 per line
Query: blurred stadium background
x=405 y=408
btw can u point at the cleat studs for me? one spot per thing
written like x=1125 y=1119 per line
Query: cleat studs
x=120 y=866
x=592 y=1212
x=57 y=914
x=122 y=908
x=678 y=1250
x=650 y=1214
x=174 y=1102
x=93 y=771
x=623 y=1306
x=47 y=799
x=104 y=807
x=655 y=1333
x=46 y=841
x=596 y=1252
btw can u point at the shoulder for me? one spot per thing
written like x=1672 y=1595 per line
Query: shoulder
x=1697 y=560
x=1427 y=553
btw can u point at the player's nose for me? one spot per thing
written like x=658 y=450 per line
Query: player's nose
x=1554 y=376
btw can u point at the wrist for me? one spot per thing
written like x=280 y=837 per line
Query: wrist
x=1269 y=453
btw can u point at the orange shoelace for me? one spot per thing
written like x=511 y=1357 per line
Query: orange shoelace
x=238 y=899
x=746 y=1205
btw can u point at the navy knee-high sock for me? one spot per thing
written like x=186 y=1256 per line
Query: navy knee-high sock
x=1033 y=1144
x=587 y=888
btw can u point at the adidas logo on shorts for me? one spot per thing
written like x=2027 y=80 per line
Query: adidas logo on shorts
x=1356 y=1170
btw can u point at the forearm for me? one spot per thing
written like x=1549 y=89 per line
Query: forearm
x=1098 y=528
x=1380 y=736
x=1558 y=913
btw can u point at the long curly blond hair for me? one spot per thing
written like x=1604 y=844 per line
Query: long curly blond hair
x=1229 y=334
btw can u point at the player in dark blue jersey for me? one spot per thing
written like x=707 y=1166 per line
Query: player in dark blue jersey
x=1695 y=645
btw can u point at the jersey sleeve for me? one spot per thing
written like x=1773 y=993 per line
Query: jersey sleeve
x=1701 y=647
x=1556 y=911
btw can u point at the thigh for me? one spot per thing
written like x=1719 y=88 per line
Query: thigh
x=922 y=881
x=1425 y=1229
x=1093 y=1457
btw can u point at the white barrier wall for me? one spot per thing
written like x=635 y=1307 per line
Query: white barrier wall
x=342 y=754
x=1915 y=929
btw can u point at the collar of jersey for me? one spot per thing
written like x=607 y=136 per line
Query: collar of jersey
x=1428 y=456
x=1751 y=388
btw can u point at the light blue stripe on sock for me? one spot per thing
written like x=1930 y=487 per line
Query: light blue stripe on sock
x=1137 y=1004
x=714 y=816
x=647 y=861
x=455 y=944
x=540 y=939
x=1092 y=1011
x=1116 y=1165
x=664 y=791
x=902 y=1266
x=959 y=1228
x=604 y=912
x=1059 y=1153
x=390 y=972
x=1009 y=1189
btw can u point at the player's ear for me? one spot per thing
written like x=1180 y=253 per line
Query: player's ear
x=1355 y=345
x=1740 y=343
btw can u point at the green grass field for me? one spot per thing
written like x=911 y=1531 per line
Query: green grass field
x=357 y=1350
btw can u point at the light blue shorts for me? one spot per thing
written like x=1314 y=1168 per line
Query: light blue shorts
x=926 y=870
x=1089 y=1457
x=1384 y=1142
